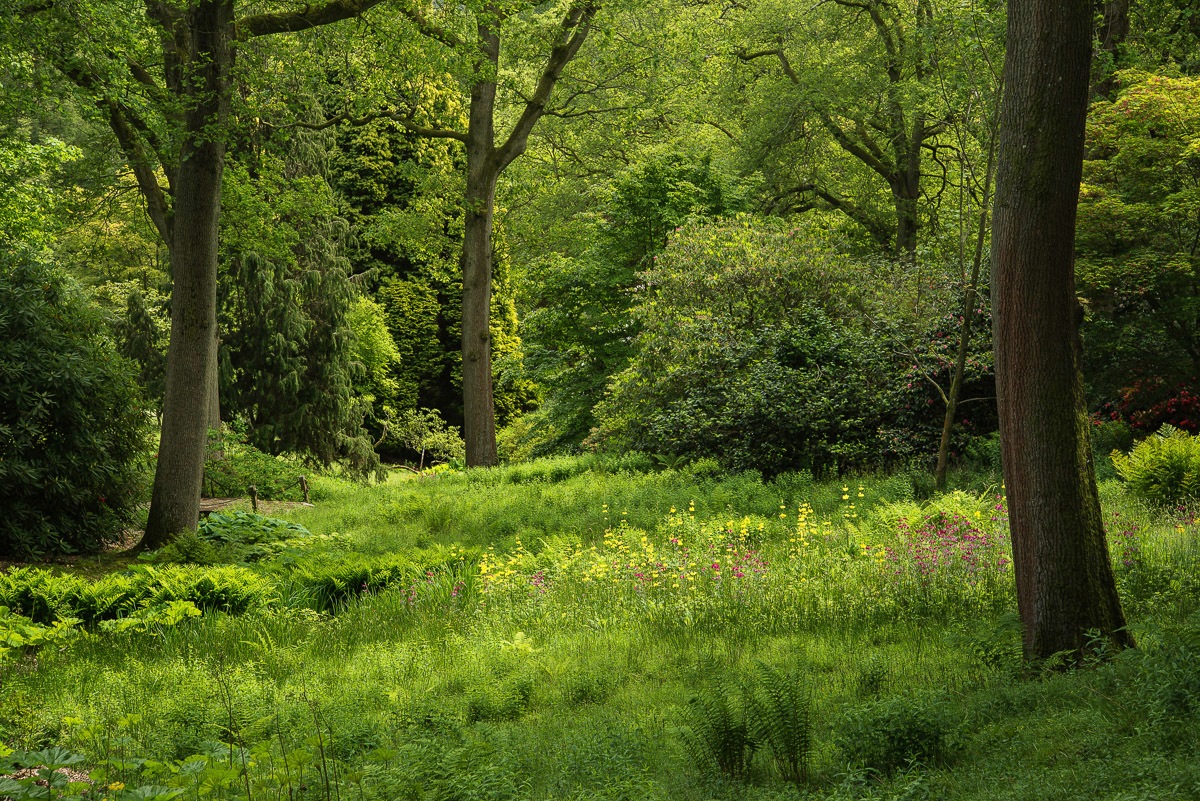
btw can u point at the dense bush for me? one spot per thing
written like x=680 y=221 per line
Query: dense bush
x=1138 y=268
x=73 y=430
x=1164 y=468
x=232 y=466
x=754 y=350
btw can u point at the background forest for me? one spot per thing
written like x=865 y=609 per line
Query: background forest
x=616 y=384
x=744 y=232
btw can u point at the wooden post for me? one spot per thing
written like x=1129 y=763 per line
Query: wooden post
x=304 y=487
x=254 y=498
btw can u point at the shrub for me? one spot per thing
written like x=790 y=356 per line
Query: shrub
x=232 y=465
x=46 y=598
x=1163 y=469
x=73 y=430
x=888 y=735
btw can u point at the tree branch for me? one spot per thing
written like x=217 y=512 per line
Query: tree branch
x=784 y=63
x=574 y=29
x=302 y=19
x=857 y=150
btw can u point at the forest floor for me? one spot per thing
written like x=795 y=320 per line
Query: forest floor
x=593 y=629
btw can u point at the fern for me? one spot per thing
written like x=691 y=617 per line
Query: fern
x=718 y=734
x=781 y=717
x=1164 y=468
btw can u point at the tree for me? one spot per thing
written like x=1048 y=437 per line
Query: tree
x=171 y=125
x=486 y=160
x=1065 y=586
x=73 y=431
x=875 y=45
x=578 y=329
x=402 y=194
x=1138 y=246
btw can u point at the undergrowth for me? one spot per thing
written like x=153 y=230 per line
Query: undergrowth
x=579 y=629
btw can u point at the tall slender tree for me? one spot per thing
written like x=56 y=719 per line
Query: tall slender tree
x=1065 y=586
x=487 y=158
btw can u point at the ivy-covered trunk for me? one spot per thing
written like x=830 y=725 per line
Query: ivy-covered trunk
x=1065 y=586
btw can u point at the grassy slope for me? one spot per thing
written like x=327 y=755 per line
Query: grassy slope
x=452 y=689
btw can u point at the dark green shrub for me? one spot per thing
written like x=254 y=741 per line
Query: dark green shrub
x=1164 y=468
x=232 y=466
x=888 y=735
x=73 y=429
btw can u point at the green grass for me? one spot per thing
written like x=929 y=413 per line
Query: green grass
x=525 y=639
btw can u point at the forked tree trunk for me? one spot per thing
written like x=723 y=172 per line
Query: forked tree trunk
x=1065 y=586
x=485 y=163
x=175 y=501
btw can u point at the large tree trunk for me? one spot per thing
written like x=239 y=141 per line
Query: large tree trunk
x=1065 y=584
x=479 y=415
x=175 y=502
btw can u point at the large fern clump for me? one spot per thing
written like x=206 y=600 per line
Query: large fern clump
x=780 y=707
x=1164 y=468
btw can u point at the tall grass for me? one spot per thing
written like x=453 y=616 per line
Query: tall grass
x=539 y=632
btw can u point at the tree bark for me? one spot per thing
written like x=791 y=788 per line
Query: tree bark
x=479 y=413
x=175 y=501
x=1065 y=586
